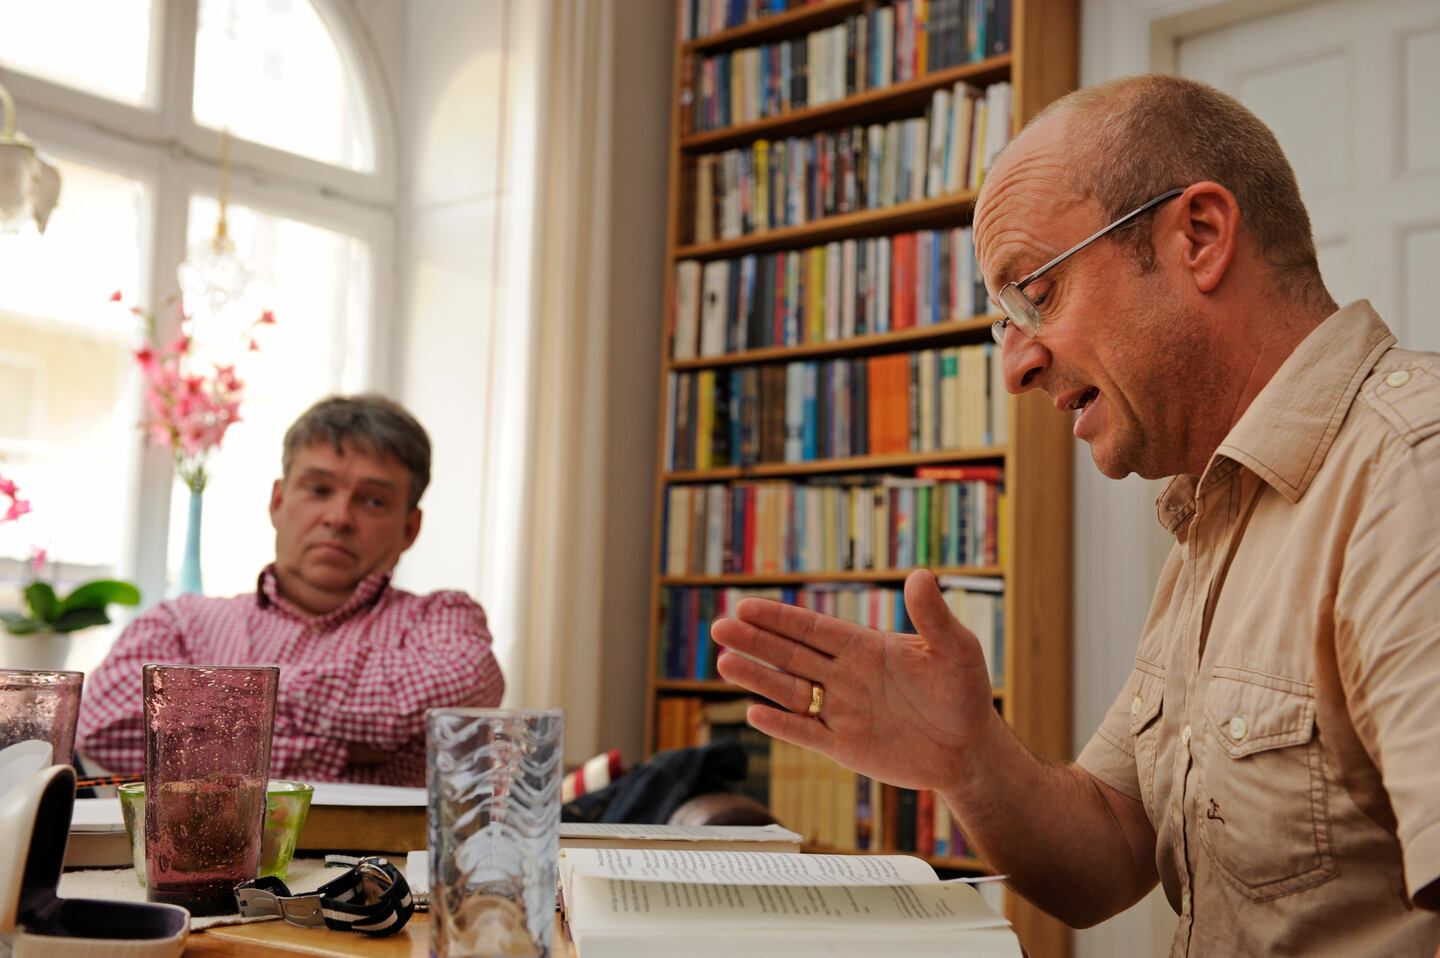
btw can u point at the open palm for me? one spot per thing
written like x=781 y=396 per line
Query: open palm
x=900 y=708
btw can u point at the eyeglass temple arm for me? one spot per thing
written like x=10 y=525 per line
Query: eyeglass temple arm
x=1101 y=232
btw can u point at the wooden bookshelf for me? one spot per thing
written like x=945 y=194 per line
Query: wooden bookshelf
x=874 y=343
x=907 y=97
x=1036 y=518
x=900 y=218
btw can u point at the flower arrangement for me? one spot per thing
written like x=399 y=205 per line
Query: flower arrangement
x=189 y=408
x=85 y=606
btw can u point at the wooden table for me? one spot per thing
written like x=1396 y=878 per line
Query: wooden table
x=277 y=939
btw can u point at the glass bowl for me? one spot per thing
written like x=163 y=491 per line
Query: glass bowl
x=286 y=806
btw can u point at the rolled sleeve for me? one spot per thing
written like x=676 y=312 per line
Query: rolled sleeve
x=1109 y=755
x=1388 y=643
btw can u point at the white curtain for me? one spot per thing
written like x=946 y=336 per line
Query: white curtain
x=547 y=509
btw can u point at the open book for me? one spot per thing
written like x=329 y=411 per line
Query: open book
x=636 y=902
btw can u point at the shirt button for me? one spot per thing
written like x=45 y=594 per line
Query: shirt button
x=1185 y=902
x=1237 y=728
x=1398 y=378
x=1185 y=736
x=1135 y=707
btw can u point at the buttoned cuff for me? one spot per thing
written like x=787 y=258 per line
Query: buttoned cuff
x=1422 y=858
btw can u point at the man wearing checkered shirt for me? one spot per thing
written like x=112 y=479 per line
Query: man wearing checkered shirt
x=360 y=661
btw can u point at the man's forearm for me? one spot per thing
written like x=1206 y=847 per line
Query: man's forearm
x=1076 y=848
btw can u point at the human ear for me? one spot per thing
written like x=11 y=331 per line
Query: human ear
x=1209 y=230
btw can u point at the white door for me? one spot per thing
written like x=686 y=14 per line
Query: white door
x=1352 y=90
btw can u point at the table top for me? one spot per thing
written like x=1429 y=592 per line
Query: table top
x=276 y=939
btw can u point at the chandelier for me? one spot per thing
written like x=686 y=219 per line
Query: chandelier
x=29 y=182
x=213 y=275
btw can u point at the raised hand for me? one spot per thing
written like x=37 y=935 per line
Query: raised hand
x=901 y=708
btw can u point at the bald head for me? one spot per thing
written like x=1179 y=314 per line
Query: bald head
x=1118 y=144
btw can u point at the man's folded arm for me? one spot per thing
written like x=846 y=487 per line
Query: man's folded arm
x=111 y=729
x=377 y=698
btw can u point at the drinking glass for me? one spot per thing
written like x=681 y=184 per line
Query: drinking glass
x=40 y=705
x=494 y=822
x=207 y=760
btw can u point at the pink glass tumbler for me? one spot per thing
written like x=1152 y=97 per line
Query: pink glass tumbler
x=40 y=705
x=207 y=761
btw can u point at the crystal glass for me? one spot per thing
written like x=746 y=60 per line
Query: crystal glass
x=40 y=705
x=494 y=820
x=207 y=760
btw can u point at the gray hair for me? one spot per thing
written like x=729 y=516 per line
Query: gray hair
x=374 y=424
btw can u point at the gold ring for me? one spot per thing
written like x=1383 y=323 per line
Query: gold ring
x=817 y=700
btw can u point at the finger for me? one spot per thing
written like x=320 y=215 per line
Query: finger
x=787 y=691
x=785 y=654
x=789 y=727
x=932 y=617
x=822 y=632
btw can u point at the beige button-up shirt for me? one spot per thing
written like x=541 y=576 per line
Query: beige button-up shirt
x=1282 y=722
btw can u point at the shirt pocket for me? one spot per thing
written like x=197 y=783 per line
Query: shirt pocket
x=1262 y=813
x=1145 y=710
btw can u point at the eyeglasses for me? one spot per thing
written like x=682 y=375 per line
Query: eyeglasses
x=1018 y=308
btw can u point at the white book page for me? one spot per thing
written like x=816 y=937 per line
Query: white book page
x=646 y=909
x=372 y=796
x=698 y=833
x=744 y=868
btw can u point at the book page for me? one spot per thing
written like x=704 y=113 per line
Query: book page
x=744 y=868
x=368 y=796
x=699 y=833
x=646 y=909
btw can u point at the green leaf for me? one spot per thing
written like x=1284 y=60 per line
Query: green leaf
x=99 y=594
x=41 y=599
x=77 y=619
x=17 y=624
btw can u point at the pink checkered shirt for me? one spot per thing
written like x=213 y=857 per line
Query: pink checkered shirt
x=363 y=674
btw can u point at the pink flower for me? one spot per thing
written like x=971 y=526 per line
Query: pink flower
x=267 y=318
x=38 y=558
x=18 y=507
x=116 y=297
x=7 y=487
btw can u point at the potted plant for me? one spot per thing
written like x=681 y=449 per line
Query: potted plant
x=40 y=636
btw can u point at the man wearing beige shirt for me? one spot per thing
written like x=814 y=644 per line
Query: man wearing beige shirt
x=1272 y=759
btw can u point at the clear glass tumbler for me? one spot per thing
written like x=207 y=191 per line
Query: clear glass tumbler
x=494 y=830
x=207 y=760
x=40 y=705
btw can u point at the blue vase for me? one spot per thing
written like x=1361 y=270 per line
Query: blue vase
x=190 y=565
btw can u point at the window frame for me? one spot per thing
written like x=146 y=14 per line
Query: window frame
x=162 y=146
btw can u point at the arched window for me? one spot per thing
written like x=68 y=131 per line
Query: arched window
x=137 y=137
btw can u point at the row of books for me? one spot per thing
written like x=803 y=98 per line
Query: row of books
x=871 y=50
x=687 y=613
x=826 y=293
x=831 y=807
x=925 y=401
x=870 y=524
x=701 y=18
x=769 y=184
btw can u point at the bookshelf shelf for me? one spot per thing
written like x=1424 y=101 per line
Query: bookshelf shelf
x=1027 y=624
x=915 y=337
x=908 y=96
x=916 y=214
x=777 y=470
x=802 y=578
x=803 y=19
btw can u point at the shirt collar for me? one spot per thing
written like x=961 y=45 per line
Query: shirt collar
x=366 y=595
x=1285 y=434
